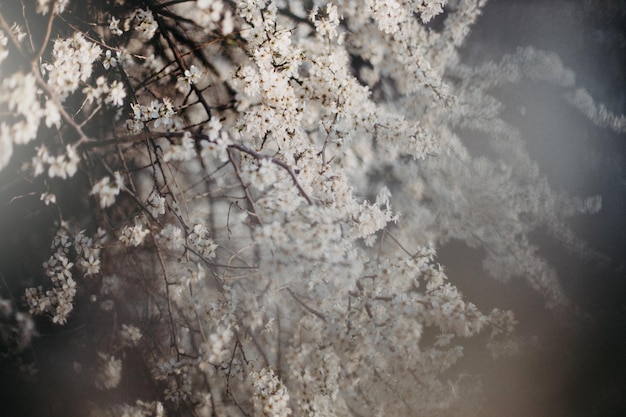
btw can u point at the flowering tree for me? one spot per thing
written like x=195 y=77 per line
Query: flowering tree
x=267 y=183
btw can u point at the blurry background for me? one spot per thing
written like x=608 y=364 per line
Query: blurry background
x=580 y=369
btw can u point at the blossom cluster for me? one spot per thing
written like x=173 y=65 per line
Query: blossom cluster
x=57 y=302
x=109 y=372
x=161 y=113
x=72 y=62
x=107 y=191
x=270 y=395
x=280 y=176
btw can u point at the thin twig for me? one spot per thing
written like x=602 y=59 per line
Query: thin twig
x=306 y=307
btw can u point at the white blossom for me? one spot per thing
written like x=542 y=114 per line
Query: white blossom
x=109 y=373
x=172 y=237
x=48 y=198
x=145 y=23
x=114 y=26
x=131 y=335
x=134 y=235
x=107 y=191
x=270 y=395
x=156 y=204
x=109 y=60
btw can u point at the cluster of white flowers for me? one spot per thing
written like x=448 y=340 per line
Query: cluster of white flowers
x=191 y=76
x=261 y=175
x=156 y=205
x=183 y=152
x=429 y=8
x=43 y=6
x=326 y=26
x=131 y=335
x=112 y=94
x=58 y=301
x=318 y=380
x=199 y=241
x=134 y=235
x=172 y=237
x=389 y=14
x=216 y=147
x=20 y=96
x=109 y=371
x=62 y=166
x=72 y=63
x=270 y=395
x=161 y=113
x=219 y=346
x=144 y=23
x=114 y=26
x=107 y=191
x=19 y=92
x=177 y=375
x=110 y=285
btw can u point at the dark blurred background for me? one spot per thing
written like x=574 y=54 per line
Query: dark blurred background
x=579 y=366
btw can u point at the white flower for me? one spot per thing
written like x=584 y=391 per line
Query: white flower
x=165 y=113
x=172 y=237
x=183 y=152
x=191 y=76
x=219 y=344
x=109 y=61
x=39 y=160
x=91 y=264
x=71 y=165
x=270 y=395
x=116 y=94
x=251 y=80
x=152 y=111
x=48 y=198
x=18 y=32
x=114 y=26
x=72 y=63
x=430 y=9
x=217 y=147
x=109 y=373
x=215 y=126
x=107 y=191
x=156 y=205
x=57 y=167
x=327 y=26
x=135 y=235
x=200 y=241
x=146 y=25
x=131 y=335
x=52 y=115
x=43 y=6
x=24 y=131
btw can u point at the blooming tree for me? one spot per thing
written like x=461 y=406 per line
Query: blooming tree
x=268 y=182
